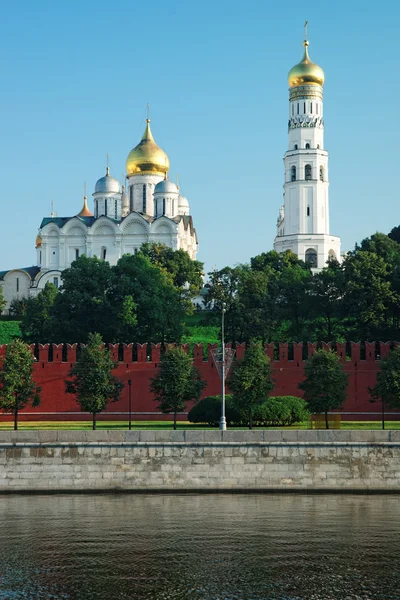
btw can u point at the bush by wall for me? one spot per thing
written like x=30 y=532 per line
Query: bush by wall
x=275 y=412
x=8 y=331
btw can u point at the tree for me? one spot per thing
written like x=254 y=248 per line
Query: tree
x=325 y=383
x=17 y=307
x=92 y=380
x=250 y=379
x=387 y=387
x=186 y=274
x=177 y=382
x=144 y=304
x=326 y=293
x=82 y=306
x=17 y=387
x=395 y=234
x=37 y=323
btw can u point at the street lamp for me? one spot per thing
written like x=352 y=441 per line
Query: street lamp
x=222 y=422
x=130 y=403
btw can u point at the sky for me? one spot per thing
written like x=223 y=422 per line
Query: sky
x=76 y=78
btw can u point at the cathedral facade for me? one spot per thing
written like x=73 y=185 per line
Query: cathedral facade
x=149 y=209
x=303 y=221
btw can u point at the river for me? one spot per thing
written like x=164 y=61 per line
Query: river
x=198 y=547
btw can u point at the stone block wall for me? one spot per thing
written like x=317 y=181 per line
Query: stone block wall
x=201 y=461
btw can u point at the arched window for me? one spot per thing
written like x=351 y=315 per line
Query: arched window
x=307 y=146
x=103 y=253
x=331 y=255
x=312 y=257
x=307 y=172
x=321 y=173
x=293 y=173
x=131 y=198
x=318 y=146
x=295 y=146
x=308 y=211
x=144 y=207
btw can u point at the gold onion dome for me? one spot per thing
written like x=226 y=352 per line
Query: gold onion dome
x=85 y=212
x=147 y=157
x=38 y=241
x=306 y=72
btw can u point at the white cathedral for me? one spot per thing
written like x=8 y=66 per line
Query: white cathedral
x=150 y=209
x=303 y=221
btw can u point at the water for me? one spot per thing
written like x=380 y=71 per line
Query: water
x=243 y=547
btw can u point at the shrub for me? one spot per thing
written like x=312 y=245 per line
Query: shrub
x=274 y=412
x=208 y=410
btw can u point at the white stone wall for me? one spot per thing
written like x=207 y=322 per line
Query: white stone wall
x=279 y=460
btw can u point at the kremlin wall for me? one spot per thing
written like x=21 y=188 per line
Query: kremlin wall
x=140 y=362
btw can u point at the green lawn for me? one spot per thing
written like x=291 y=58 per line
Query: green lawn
x=69 y=425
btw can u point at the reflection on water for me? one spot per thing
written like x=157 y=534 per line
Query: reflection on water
x=245 y=547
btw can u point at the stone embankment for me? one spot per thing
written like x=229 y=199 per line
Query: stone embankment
x=199 y=461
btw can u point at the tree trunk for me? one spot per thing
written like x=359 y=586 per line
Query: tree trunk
x=94 y=421
x=174 y=420
x=16 y=418
x=250 y=419
x=326 y=420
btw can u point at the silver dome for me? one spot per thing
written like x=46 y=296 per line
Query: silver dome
x=183 y=202
x=166 y=187
x=107 y=184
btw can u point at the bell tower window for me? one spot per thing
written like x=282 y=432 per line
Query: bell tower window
x=307 y=172
x=293 y=174
x=307 y=146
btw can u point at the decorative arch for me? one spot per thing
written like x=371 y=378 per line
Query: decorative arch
x=163 y=225
x=103 y=226
x=311 y=257
x=134 y=223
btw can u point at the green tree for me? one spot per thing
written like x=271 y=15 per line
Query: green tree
x=326 y=292
x=144 y=304
x=186 y=274
x=325 y=383
x=82 y=306
x=395 y=234
x=37 y=322
x=17 y=307
x=387 y=387
x=17 y=387
x=92 y=380
x=250 y=379
x=177 y=382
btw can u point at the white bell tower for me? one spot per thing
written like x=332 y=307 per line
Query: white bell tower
x=303 y=222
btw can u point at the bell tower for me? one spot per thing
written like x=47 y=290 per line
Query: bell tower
x=303 y=221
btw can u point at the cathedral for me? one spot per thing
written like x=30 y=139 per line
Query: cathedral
x=303 y=221
x=149 y=209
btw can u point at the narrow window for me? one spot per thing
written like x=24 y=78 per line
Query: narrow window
x=292 y=110
x=163 y=206
x=311 y=107
x=308 y=211
x=40 y=257
x=116 y=209
x=103 y=253
x=55 y=281
x=295 y=146
x=131 y=198
x=307 y=172
x=105 y=207
x=76 y=253
x=293 y=174
x=297 y=108
x=97 y=209
x=304 y=107
x=17 y=284
x=307 y=146
x=173 y=207
x=317 y=107
x=144 y=207
x=321 y=173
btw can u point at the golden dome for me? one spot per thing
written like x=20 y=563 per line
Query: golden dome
x=38 y=243
x=147 y=157
x=85 y=212
x=306 y=72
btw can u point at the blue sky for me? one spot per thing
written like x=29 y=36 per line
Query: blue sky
x=76 y=78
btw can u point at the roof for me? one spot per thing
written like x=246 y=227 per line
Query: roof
x=61 y=221
x=32 y=272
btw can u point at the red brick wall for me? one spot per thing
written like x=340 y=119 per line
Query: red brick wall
x=287 y=374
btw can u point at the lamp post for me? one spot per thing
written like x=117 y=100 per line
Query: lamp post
x=130 y=403
x=222 y=422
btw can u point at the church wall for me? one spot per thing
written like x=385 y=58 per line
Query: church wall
x=15 y=286
x=287 y=374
